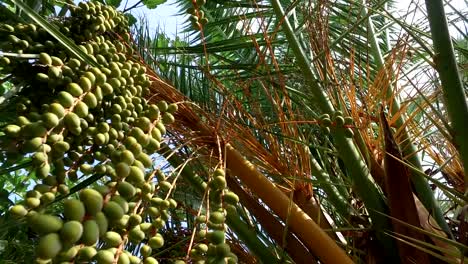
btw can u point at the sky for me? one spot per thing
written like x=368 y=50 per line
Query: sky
x=164 y=16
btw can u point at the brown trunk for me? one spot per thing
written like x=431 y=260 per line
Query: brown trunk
x=400 y=197
x=296 y=250
x=430 y=225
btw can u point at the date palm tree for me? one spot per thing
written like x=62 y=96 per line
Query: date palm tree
x=334 y=120
x=273 y=69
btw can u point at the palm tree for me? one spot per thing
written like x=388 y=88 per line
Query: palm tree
x=321 y=117
x=353 y=59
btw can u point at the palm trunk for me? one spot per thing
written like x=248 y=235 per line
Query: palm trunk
x=400 y=197
x=300 y=223
x=293 y=246
x=312 y=208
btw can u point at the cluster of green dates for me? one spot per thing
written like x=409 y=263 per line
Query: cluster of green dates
x=26 y=42
x=77 y=121
x=97 y=216
x=211 y=243
x=197 y=16
x=338 y=122
x=91 y=19
x=88 y=20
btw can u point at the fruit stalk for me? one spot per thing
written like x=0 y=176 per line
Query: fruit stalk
x=300 y=223
x=446 y=66
x=359 y=172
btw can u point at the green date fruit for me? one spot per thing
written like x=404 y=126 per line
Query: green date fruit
x=49 y=246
